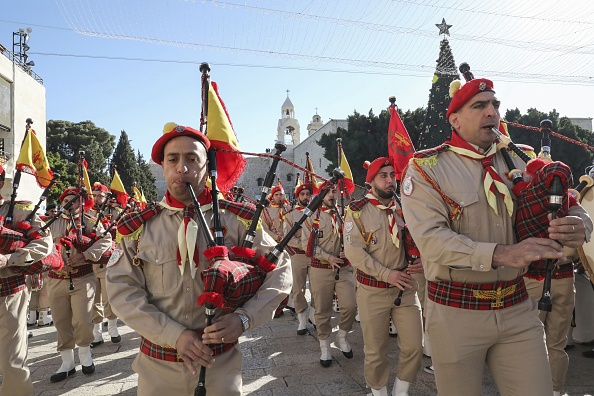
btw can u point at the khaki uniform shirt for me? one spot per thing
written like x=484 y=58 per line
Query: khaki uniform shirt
x=62 y=226
x=328 y=239
x=273 y=220
x=159 y=303
x=34 y=251
x=290 y=219
x=461 y=250
x=378 y=257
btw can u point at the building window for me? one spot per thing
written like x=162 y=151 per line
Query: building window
x=289 y=177
x=260 y=182
x=5 y=106
x=320 y=162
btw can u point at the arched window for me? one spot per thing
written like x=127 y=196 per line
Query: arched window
x=260 y=182
x=289 y=177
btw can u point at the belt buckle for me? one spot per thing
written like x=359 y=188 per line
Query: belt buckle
x=497 y=295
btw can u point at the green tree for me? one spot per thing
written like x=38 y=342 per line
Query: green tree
x=367 y=138
x=68 y=176
x=146 y=178
x=125 y=162
x=437 y=128
x=68 y=139
x=576 y=157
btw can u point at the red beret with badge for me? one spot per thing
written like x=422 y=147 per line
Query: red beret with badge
x=461 y=94
x=374 y=167
x=171 y=131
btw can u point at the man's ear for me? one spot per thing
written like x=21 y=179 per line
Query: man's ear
x=454 y=121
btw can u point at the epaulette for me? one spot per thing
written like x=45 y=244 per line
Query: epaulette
x=428 y=157
x=131 y=224
x=244 y=211
x=24 y=205
x=355 y=207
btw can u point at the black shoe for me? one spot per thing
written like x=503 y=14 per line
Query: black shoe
x=117 y=339
x=105 y=324
x=349 y=354
x=96 y=343
x=88 y=369
x=325 y=363
x=30 y=334
x=290 y=309
x=61 y=376
x=588 y=354
x=302 y=332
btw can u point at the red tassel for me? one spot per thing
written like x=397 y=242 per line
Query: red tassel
x=66 y=242
x=534 y=166
x=243 y=253
x=24 y=226
x=216 y=252
x=214 y=298
x=264 y=264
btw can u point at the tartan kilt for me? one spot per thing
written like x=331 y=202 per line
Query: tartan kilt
x=52 y=261
x=236 y=281
x=533 y=204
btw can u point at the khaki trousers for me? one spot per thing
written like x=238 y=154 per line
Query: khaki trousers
x=13 y=345
x=510 y=341
x=299 y=265
x=376 y=307
x=72 y=310
x=323 y=285
x=101 y=305
x=158 y=377
x=556 y=324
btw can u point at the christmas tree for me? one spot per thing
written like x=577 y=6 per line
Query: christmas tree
x=437 y=128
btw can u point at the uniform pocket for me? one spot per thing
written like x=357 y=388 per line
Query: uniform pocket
x=470 y=221
x=160 y=268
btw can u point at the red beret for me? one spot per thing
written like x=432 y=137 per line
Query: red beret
x=468 y=90
x=274 y=190
x=99 y=187
x=374 y=167
x=69 y=191
x=302 y=187
x=171 y=131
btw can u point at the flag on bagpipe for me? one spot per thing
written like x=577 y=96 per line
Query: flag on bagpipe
x=400 y=147
x=310 y=176
x=347 y=181
x=139 y=197
x=32 y=160
x=117 y=187
x=219 y=131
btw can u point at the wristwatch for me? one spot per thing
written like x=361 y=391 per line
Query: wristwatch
x=245 y=321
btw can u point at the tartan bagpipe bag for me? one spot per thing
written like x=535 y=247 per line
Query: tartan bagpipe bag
x=11 y=240
x=84 y=242
x=533 y=201
x=229 y=284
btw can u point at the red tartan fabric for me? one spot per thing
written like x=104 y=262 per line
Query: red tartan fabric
x=559 y=272
x=53 y=262
x=245 y=210
x=357 y=206
x=12 y=285
x=170 y=354
x=11 y=240
x=533 y=202
x=132 y=221
x=369 y=280
x=83 y=270
x=478 y=296
x=236 y=281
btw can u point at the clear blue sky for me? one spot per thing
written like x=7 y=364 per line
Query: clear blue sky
x=141 y=96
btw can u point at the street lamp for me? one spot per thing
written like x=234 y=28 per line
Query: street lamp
x=20 y=39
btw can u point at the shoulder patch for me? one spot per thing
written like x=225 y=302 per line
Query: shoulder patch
x=24 y=205
x=242 y=210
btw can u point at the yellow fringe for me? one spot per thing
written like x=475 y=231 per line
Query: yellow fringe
x=429 y=161
x=131 y=237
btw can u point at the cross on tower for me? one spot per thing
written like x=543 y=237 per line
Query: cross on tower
x=288 y=93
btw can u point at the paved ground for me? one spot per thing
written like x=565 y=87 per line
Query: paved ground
x=276 y=362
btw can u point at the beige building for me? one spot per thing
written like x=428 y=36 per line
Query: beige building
x=22 y=96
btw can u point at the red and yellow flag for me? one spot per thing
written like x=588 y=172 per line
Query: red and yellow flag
x=32 y=160
x=310 y=176
x=139 y=197
x=400 y=147
x=347 y=181
x=117 y=187
x=219 y=130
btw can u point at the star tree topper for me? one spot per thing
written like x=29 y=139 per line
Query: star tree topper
x=444 y=28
